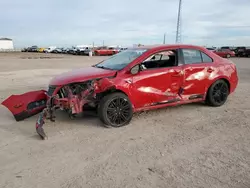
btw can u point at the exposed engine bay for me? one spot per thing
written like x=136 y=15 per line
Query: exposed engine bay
x=71 y=98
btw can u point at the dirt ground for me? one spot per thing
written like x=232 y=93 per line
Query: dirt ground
x=179 y=147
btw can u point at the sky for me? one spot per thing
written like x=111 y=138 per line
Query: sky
x=125 y=22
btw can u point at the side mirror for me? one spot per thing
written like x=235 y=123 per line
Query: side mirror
x=135 y=69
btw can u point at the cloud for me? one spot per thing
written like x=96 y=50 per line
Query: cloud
x=125 y=22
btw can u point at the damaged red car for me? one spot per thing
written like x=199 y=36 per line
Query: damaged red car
x=136 y=79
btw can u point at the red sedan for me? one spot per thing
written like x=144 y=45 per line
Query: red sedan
x=105 y=51
x=226 y=53
x=136 y=79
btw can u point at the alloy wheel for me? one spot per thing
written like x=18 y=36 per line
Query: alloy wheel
x=220 y=92
x=118 y=111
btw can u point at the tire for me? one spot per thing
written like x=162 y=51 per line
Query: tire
x=228 y=56
x=110 y=101
x=217 y=97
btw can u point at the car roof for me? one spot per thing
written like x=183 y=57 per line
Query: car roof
x=163 y=46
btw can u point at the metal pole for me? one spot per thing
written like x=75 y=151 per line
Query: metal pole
x=164 y=39
x=178 y=30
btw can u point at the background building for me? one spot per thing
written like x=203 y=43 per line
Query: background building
x=6 y=44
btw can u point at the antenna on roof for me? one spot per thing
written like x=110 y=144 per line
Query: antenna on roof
x=178 y=30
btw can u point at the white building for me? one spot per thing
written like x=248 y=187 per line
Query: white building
x=6 y=44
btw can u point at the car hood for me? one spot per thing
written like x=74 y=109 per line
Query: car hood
x=81 y=75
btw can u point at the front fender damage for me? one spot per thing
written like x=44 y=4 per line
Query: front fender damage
x=72 y=98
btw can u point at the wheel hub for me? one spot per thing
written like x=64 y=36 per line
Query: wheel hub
x=218 y=93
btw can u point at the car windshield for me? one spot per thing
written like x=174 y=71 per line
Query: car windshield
x=121 y=60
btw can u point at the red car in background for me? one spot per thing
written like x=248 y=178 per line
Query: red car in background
x=225 y=53
x=136 y=79
x=105 y=51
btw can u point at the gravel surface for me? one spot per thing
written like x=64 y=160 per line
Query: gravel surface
x=185 y=146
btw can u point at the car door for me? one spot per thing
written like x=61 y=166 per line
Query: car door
x=160 y=85
x=197 y=69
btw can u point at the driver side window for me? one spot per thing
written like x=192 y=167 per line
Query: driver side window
x=163 y=59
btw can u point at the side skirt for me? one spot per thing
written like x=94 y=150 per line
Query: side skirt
x=192 y=97
x=166 y=102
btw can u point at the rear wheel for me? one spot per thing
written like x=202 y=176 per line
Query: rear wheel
x=217 y=93
x=115 y=110
x=228 y=56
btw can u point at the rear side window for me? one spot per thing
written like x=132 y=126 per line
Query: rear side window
x=206 y=58
x=192 y=56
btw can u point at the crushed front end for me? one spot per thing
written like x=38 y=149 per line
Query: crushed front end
x=70 y=98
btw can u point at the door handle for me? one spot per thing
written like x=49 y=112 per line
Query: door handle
x=210 y=70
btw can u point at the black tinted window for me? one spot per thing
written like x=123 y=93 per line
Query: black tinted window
x=206 y=58
x=192 y=56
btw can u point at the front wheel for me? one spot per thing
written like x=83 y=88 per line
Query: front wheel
x=115 y=110
x=217 y=93
x=228 y=55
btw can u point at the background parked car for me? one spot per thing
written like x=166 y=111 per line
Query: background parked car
x=232 y=48
x=85 y=51
x=32 y=49
x=65 y=50
x=226 y=53
x=81 y=50
x=247 y=52
x=243 y=51
x=104 y=50
x=121 y=49
x=49 y=49
x=57 y=51
x=40 y=50
x=211 y=49
x=73 y=50
x=24 y=50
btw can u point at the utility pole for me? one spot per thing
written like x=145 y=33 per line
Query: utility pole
x=178 y=29
x=164 y=38
x=103 y=43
